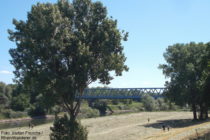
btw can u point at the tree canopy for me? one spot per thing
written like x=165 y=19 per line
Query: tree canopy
x=186 y=69
x=63 y=47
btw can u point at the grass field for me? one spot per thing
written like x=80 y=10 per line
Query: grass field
x=131 y=127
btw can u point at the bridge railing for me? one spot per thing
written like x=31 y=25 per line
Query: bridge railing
x=120 y=93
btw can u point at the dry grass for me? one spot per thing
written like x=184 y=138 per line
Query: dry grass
x=133 y=127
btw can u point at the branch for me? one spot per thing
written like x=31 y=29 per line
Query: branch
x=77 y=106
x=66 y=104
x=89 y=81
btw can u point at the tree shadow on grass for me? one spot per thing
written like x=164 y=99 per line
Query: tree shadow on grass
x=175 y=123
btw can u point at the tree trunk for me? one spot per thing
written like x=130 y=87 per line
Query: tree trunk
x=194 y=111
x=194 y=102
x=203 y=111
x=206 y=114
x=206 y=111
x=72 y=116
x=201 y=116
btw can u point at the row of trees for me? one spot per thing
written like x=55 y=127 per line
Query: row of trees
x=14 y=101
x=187 y=69
x=5 y=94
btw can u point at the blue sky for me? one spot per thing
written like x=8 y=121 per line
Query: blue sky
x=153 y=25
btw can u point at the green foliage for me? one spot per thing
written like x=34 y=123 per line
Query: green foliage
x=162 y=104
x=101 y=105
x=55 y=110
x=87 y=112
x=17 y=114
x=6 y=93
x=123 y=107
x=61 y=49
x=187 y=69
x=136 y=106
x=8 y=113
x=115 y=102
x=36 y=110
x=64 y=47
x=149 y=103
x=126 y=101
x=20 y=102
x=65 y=129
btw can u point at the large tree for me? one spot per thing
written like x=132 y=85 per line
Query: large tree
x=205 y=81
x=185 y=69
x=64 y=47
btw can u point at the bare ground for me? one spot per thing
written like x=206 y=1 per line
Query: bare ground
x=134 y=127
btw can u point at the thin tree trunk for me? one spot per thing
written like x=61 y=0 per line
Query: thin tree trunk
x=193 y=99
x=206 y=111
x=194 y=111
x=201 y=117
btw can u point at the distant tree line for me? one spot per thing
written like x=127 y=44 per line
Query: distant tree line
x=14 y=98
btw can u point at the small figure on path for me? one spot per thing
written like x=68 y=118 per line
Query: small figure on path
x=148 y=120
x=168 y=128
x=30 y=125
x=164 y=127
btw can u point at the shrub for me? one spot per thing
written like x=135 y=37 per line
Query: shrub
x=126 y=101
x=101 y=106
x=115 y=102
x=55 y=110
x=8 y=113
x=121 y=107
x=65 y=129
x=36 y=111
x=20 y=103
x=149 y=103
x=136 y=106
x=18 y=114
x=88 y=112
x=173 y=106
x=162 y=104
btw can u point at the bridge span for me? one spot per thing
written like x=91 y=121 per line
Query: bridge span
x=121 y=93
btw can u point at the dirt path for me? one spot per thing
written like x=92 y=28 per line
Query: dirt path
x=134 y=127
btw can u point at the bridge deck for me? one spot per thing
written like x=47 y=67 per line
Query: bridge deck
x=121 y=93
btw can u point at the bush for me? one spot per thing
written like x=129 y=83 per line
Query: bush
x=55 y=110
x=88 y=112
x=115 y=102
x=8 y=113
x=18 y=114
x=162 y=104
x=20 y=103
x=149 y=103
x=136 y=106
x=64 y=129
x=36 y=111
x=126 y=101
x=173 y=106
x=101 y=106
